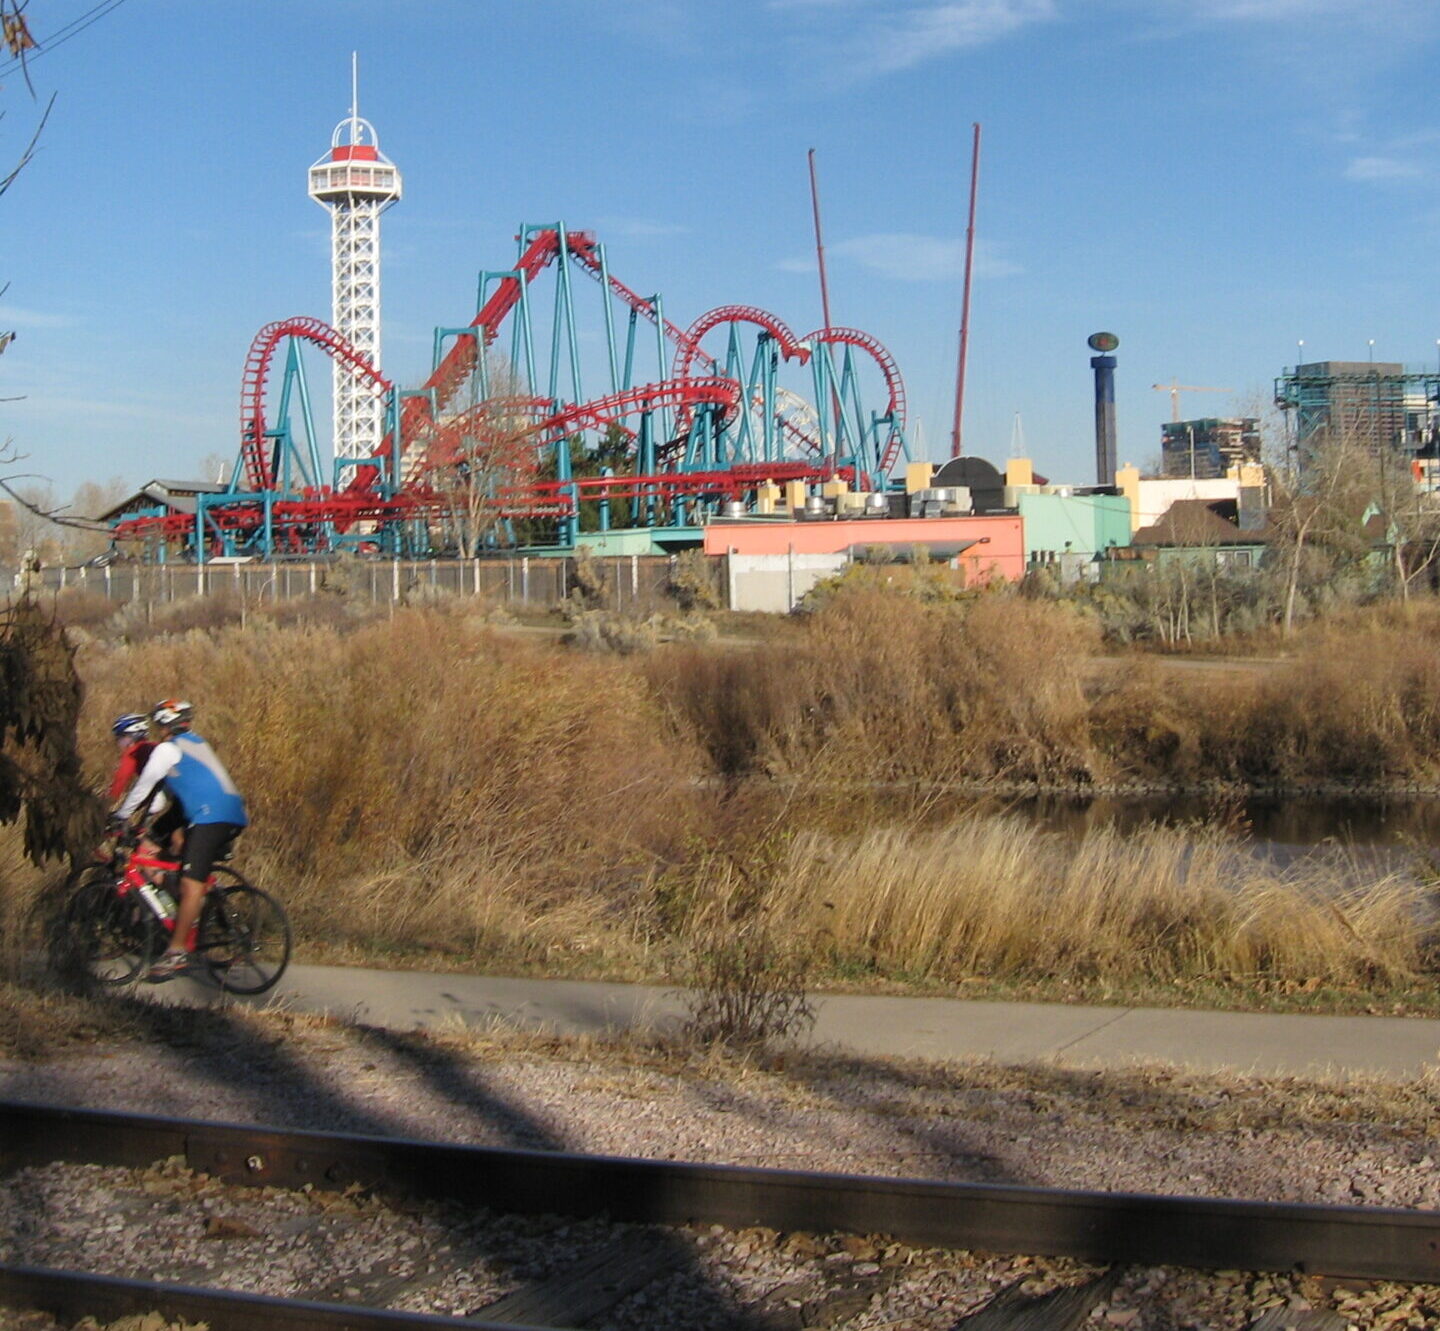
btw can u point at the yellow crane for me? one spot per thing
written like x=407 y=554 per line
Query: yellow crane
x=1175 y=389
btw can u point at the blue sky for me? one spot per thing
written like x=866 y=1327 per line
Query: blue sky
x=1210 y=179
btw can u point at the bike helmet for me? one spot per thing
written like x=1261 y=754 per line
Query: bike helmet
x=130 y=726
x=173 y=714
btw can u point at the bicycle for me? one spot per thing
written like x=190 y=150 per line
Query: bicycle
x=117 y=921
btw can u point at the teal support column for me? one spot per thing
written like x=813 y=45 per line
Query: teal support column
x=609 y=318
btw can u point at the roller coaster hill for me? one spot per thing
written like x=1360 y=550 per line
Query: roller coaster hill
x=508 y=443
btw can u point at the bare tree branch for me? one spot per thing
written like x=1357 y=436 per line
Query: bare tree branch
x=50 y=515
x=25 y=157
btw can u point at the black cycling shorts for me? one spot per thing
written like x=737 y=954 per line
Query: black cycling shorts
x=172 y=820
x=204 y=844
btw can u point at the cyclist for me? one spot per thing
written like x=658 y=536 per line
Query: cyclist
x=131 y=733
x=206 y=810
x=132 y=740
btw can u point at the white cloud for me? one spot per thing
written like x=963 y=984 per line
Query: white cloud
x=15 y=316
x=637 y=228
x=1267 y=10
x=907 y=257
x=919 y=33
x=1382 y=168
x=1423 y=138
x=1286 y=11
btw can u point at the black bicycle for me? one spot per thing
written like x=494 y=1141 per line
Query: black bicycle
x=116 y=923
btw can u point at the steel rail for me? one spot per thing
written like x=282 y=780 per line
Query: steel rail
x=1357 y=1242
x=73 y=1295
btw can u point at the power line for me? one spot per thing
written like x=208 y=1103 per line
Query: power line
x=62 y=35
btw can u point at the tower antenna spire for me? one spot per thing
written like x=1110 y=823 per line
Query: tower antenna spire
x=355 y=182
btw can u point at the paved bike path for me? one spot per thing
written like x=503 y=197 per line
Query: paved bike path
x=873 y=1026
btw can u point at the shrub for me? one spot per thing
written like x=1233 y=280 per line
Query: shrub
x=884 y=687
x=694 y=582
x=746 y=978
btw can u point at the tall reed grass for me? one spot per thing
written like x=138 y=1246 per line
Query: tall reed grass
x=423 y=777
x=428 y=782
x=996 y=897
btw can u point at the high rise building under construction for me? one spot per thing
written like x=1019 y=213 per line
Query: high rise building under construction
x=1361 y=402
x=1210 y=447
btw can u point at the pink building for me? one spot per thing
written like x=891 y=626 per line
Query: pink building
x=983 y=546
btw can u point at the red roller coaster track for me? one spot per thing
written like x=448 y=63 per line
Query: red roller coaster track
x=690 y=350
x=790 y=347
x=894 y=384
x=422 y=422
x=258 y=472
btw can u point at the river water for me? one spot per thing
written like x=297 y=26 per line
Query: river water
x=1377 y=836
x=1403 y=822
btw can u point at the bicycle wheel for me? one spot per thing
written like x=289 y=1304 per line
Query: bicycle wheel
x=244 y=936
x=111 y=938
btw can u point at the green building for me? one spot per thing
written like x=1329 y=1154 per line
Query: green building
x=1072 y=529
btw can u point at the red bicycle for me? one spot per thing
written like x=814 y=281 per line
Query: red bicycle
x=119 y=917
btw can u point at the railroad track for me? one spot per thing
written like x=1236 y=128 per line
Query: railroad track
x=1105 y=1229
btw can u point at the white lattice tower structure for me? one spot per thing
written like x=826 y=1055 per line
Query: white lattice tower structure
x=356 y=182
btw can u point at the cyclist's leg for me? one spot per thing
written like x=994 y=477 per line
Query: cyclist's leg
x=203 y=844
x=165 y=835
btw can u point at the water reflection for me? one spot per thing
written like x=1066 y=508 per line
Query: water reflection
x=1378 y=836
x=1404 y=822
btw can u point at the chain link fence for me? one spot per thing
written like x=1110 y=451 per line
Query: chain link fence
x=630 y=584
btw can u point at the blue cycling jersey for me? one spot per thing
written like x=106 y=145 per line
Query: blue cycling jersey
x=201 y=786
x=194 y=778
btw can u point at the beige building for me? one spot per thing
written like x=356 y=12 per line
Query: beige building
x=1151 y=497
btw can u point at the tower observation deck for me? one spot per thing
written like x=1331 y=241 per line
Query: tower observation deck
x=356 y=182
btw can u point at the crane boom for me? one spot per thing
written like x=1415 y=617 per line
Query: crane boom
x=1175 y=389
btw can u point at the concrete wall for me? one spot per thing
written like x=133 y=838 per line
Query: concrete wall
x=998 y=552
x=776 y=583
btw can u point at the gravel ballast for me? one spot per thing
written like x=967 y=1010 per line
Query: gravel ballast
x=1143 y=1131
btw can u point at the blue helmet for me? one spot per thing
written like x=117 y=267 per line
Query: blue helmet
x=130 y=726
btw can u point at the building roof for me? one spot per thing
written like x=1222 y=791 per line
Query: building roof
x=1203 y=522
x=179 y=496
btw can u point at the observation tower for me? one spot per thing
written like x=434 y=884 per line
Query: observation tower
x=356 y=182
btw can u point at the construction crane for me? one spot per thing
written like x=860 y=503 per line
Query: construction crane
x=1175 y=389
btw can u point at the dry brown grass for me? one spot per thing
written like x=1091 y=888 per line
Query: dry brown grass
x=1347 y=710
x=425 y=780
x=883 y=688
x=997 y=897
x=424 y=784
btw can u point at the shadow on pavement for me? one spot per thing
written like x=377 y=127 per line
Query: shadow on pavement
x=281 y=1086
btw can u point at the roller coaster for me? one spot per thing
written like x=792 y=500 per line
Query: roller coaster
x=502 y=445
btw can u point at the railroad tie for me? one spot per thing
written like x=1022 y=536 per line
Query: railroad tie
x=1291 y=1318
x=1060 y=1310
x=591 y=1287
